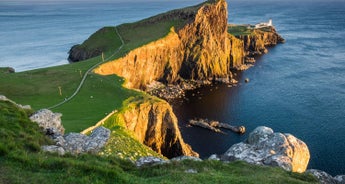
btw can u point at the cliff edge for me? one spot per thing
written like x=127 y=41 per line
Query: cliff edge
x=154 y=124
x=201 y=49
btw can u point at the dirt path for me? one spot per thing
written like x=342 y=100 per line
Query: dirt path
x=87 y=72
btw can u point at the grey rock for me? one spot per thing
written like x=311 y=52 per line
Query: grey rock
x=53 y=149
x=191 y=171
x=323 y=177
x=214 y=157
x=264 y=147
x=77 y=143
x=4 y=98
x=49 y=121
x=149 y=161
x=340 y=179
x=180 y=158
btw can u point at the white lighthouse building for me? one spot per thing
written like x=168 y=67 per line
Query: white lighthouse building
x=264 y=24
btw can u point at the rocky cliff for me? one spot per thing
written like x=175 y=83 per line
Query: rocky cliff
x=256 y=42
x=154 y=124
x=202 y=49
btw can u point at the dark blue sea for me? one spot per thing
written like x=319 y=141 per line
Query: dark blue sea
x=297 y=88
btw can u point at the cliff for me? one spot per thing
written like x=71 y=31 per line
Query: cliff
x=103 y=40
x=201 y=49
x=256 y=42
x=154 y=124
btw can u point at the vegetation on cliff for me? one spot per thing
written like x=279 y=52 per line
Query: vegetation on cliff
x=21 y=161
x=196 y=48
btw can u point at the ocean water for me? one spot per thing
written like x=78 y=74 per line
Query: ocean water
x=39 y=34
x=297 y=88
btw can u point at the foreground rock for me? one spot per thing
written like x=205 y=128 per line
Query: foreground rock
x=264 y=147
x=322 y=176
x=49 y=121
x=325 y=178
x=74 y=143
x=25 y=107
x=150 y=160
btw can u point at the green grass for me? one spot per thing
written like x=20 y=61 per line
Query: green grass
x=40 y=88
x=238 y=30
x=104 y=39
x=21 y=161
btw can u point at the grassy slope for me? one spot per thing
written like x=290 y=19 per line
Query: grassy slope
x=22 y=162
x=102 y=40
x=238 y=30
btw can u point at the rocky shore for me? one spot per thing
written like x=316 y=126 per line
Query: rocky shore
x=173 y=91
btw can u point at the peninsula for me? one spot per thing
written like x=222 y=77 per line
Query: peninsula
x=180 y=49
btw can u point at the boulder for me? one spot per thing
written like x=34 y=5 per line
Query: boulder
x=25 y=107
x=149 y=161
x=53 y=149
x=214 y=157
x=323 y=177
x=77 y=143
x=181 y=158
x=49 y=121
x=264 y=147
x=340 y=179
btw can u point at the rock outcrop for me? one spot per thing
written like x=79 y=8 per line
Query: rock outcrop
x=264 y=147
x=200 y=50
x=155 y=125
x=74 y=143
x=4 y=98
x=325 y=178
x=256 y=43
x=91 y=48
x=49 y=121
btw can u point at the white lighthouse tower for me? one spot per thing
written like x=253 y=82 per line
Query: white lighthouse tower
x=269 y=23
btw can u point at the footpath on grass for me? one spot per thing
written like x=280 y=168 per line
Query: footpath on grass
x=88 y=71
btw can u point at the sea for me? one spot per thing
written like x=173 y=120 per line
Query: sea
x=297 y=88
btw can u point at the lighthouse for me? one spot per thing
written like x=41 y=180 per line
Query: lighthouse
x=269 y=23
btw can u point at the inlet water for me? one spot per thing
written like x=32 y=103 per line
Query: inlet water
x=297 y=88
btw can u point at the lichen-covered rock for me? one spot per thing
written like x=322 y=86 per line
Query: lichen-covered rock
x=180 y=158
x=77 y=143
x=340 y=179
x=264 y=147
x=4 y=98
x=149 y=161
x=323 y=177
x=49 y=121
x=214 y=157
x=53 y=149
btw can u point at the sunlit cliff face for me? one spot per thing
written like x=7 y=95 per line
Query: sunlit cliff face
x=202 y=49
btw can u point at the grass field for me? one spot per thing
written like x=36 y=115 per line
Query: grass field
x=238 y=30
x=99 y=95
x=21 y=161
